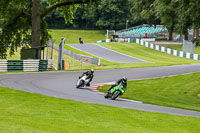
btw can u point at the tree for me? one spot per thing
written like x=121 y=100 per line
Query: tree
x=109 y=14
x=195 y=11
x=86 y=16
x=184 y=18
x=189 y=16
x=56 y=20
x=113 y=14
x=144 y=11
x=22 y=15
x=166 y=11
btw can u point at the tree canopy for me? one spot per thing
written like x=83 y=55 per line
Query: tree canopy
x=144 y=11
x=166 y=12
x=109 y=14
x=24 y=21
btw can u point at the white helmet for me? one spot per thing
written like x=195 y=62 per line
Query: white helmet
x=92 y=70
x=124 y=79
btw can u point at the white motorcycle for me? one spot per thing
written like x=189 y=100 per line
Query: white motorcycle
x=82 y=81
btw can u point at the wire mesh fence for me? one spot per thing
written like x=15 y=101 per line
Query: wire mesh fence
x=73 y=64
x=188 y=47
x=70 y=63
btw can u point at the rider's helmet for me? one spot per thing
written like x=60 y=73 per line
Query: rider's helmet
x=92 y=70
x=124 y=79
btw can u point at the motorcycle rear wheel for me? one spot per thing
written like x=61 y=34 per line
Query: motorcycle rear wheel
x=115 y=95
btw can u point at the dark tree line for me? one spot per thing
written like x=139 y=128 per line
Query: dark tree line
x=108 y=14
x=25 y=22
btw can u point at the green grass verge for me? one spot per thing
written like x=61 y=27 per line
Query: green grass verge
x=72 y=36
x=26 y=112
x=178 y=91
x=179 y=47
x=157 y=58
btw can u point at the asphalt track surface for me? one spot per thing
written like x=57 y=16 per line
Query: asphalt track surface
x=62 y=85
x=106 y=54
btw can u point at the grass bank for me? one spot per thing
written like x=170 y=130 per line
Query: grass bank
x=26 y=112
x=178 y=91
x=72 y=36
x=155 y=57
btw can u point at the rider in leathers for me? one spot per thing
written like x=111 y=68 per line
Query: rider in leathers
x=123 y=82
x=90 y=75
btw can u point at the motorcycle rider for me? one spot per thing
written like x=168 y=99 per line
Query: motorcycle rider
x=123 y=82
x=80 y=40
x=89 y=74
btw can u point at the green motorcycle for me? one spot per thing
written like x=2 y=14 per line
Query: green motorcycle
x=115 y=92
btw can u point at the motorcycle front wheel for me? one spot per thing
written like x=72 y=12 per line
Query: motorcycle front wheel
x=106 y=95
x=80 y=84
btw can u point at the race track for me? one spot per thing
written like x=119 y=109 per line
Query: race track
x=62 y=85
x=106 y=54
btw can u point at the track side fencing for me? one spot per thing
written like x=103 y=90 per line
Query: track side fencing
x=25 y=65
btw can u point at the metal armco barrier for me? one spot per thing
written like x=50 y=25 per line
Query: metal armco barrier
x=3 y=65
x=14 y=65
x=25 y=65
